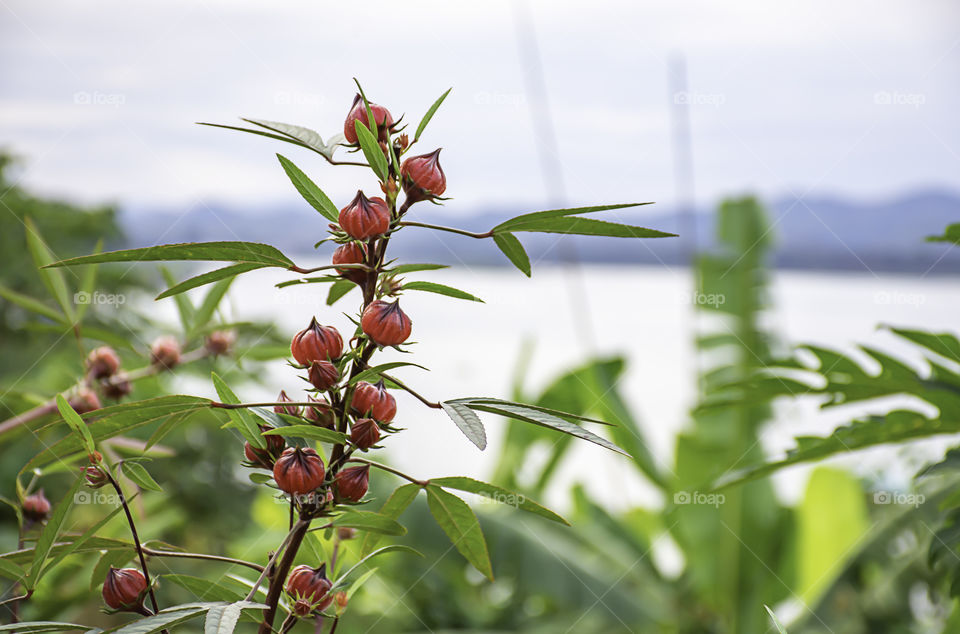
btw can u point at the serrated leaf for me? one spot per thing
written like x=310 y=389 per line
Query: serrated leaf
x=401 y=269
x=539 y=408
x=462 y=527
x=53 y=280
x=304 y=136
x=31 y=304
x=47 y=626
x=513 y=249
x=223 y=619
x=498 y=494
x=588 y=227
x=49 y=535
x=270 y=135
x=371 y=150
x=395 y=505
x=76 y=423
x=241 y=418
x=311 y=432
x=369 y=521
x=538 y=216
x=209 y=277
x=165 y=619
x=468 y=422
x=441 y=289
x=310 y=191
x=239 y=252
x=429 y=115
x=338 y=289
x=140 y=476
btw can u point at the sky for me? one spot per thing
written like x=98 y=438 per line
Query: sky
x=856 y=99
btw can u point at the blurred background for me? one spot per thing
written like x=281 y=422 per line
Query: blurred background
x=803 y=151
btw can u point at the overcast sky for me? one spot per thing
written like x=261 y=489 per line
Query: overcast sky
x=821 y=97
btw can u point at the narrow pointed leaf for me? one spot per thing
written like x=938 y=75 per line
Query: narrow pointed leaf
x=371 y=150
x=47 y=626
x=538 y=216
x=468 y=422
x=310 y=432
x=76 y=423
x=588 y=227
x=209 y=277
x=462 y=527
x=50 y=534
x=140 y=476
x=239 y=252
x=429 y=115
x=342 y=579
x=309 y=190
x=441 y=289
x=513 y=249
x=53 y=280
x=370 y=521
x=242 y=419
x=31 y=304
x=337 y=290
x=498 y=494
x=393 y=508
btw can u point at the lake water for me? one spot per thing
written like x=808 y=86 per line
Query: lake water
x=570 y=315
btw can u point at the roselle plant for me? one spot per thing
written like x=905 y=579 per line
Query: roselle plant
x=316 y=452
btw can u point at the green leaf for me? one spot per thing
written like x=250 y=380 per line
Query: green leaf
x=207 y=278
x=304 y=136
x=241 y=418
x=77 y=543
x=776 y=623
x=541 y=408
x=376 y=371
x=163 y=620
x=950 y=234
x=11 y=570
x=441 y=289
x=270 y=135
x=32 y=305
x=371 y=150
x=53 y=280
x=429 y=115
x=414 y=268
x=185 y=307
x=513 y=249
x=538 y=216
x=88 y=283
x=222 y=589
x=338 y=289
x=210 y=303
x=309 y=190
x=223 y=619
x=341 y=580
x=369 y=521
x=395 y=505
x=240 y=252
x=46 y=626
x=311 y=432
x=362 y=579
x=76 y=423
x=468 y=422
x=588 y=227
x=498 y=494
x=460 y=524
x=140 y=476
x=944 y=344
x=49 y=535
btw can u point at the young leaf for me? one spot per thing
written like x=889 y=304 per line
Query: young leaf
x=537 y=216
x=440 y=289
x=395 y=505
x=468 y=422
x=371 y=150
x=53 y=280
x=341 y=580
x=241 y=418
x=376 y=371
x=76 y=423
x=370 y=521
x=140 y=476
x=460 y=524
x=309 y=190
x=49 y=535
x=429 y=115
x=31 y=304
x=498 y=494
x=240 y=252
x=311 y=432
x=338 y=289
x=513 y=249
x=207 y=278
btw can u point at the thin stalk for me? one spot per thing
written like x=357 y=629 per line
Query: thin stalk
x=136 y=537
x=288 y=624
x=269 y=566
x=403 y=386
x=462 y=232
x=280 y=576
x=150 y=552
x=395 y=472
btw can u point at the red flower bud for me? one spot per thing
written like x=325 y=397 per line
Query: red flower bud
x=124 y=589
x=385 y=323
x=36 y=507
x=321 y=414
x=102 y=362
x=423 y=177
x=364 y=433
x=358 y=112
x=298 y=471
x=220 y=341
x=365 y=217
x=374 y=400
x=265 y=458
x=165 y=352
x=316 y=343
x=351 y=253
x=323 y=375
x=94 y=476
x=292 y=410
x=309 y=588
x=340 y=599
x=117 y=386
x=85 y=400
x=352 y=483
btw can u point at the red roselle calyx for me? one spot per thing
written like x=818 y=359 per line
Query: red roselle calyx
x=298 y=471
x=364 y=433
x=124 y=589
x=265 y=457
x=385 y=323
x=36 y=507
x=292 y=410
x=351 y=253
x=309 y=588
x=358 y=112
x=316 y=343
x=352 y=483
x=102 y=362
x=364 y=217
x=219 y=342
x=117 y=386
x=374 y=400
x=94 y=476
x=323 y=375
x=321 y=414
x=423 y=177
x=165 y=352
x=85 y=400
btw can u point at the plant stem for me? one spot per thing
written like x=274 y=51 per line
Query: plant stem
x=288 y=624
x=403 y=386
x=336 y=622
x=327 y=267
x=150 y=552
x=395 y=472
x=280 y=576
x=136 y=537
x=462 y=232
x=269 y=566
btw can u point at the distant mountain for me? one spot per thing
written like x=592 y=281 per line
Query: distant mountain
x=810 y=233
